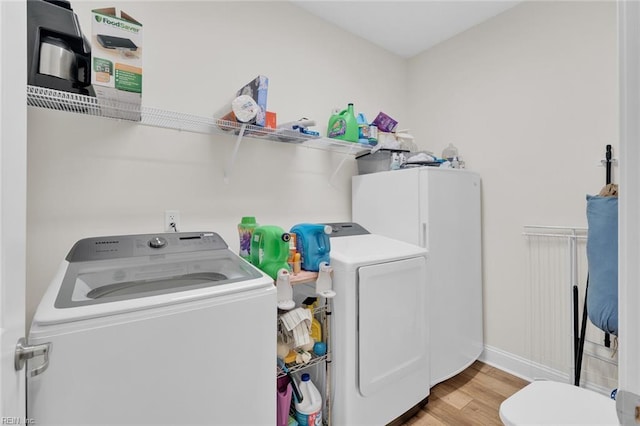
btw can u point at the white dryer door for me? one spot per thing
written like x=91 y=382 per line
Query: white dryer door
x=392 y=322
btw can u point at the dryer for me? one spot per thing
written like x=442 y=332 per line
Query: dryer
x=380 y=330
x=154 y=329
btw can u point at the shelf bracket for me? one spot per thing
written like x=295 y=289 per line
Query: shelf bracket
x=351 y=151
x=234 y=154
x=335 y=172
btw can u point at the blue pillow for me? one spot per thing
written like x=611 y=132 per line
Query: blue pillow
x=602 y=256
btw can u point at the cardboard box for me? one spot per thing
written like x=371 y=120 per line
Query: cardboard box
x=271 y=120
x=116 y=62
x=257 y=89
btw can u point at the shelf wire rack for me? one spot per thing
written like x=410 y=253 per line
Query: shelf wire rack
x=43 y=97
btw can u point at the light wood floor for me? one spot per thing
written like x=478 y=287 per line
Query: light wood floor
x=472 y=397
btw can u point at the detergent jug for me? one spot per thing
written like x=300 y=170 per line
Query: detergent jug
x=343 y=125
x=363 y=129
x=309 y=410
x=245 y=231
x=313 y=244
x=269 y=249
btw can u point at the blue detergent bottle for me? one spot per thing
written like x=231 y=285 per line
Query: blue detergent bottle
x=363 y=129
x=313 y=244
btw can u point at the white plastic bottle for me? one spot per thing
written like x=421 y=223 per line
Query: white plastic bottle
x=309 y=411
x=455 y=164
x=450 y=152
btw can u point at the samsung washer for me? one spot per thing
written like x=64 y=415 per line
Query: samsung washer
x=170 y=329
x=380 y=330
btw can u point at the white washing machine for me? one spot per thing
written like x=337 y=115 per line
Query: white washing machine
x=380 y=329
x=170 y=329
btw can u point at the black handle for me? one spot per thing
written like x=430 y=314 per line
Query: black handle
x=608 y=158
x=294 y=384
x=607 y=338
x=83 y=63
x=295 y=388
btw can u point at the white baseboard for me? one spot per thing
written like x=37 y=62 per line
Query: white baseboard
x=529 y=370
x=519 y=366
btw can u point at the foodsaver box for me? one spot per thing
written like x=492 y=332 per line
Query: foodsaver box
x=116 y=61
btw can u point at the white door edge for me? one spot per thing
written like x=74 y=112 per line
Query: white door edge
x=13 y=214
x=629 y=226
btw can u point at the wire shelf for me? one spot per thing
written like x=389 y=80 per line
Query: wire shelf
x=297 y=367
x=54 y=99
x=42 y=97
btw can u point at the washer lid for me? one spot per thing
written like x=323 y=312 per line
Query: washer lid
x=105 y=281
x=371 y=248
x=109 y=275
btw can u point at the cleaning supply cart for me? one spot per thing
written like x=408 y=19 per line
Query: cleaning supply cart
x=320 y=311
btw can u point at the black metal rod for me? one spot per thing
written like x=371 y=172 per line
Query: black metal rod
x=583 y=333
x=608 y=163
x=607 y=338
x=576 y=322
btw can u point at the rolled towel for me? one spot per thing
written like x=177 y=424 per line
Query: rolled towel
x=298 y=323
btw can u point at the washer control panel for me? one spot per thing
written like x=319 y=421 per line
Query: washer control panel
x=157 y=242
x=346 y=229
x=124 y=246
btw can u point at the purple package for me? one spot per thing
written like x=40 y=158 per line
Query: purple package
x=385 y=123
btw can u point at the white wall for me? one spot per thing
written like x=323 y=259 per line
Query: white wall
x=89 y=176
x=530 y=100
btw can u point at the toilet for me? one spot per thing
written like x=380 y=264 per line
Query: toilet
x=552 y=403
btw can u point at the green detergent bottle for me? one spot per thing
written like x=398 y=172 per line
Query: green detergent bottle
x=270 y=249
x=343 y=125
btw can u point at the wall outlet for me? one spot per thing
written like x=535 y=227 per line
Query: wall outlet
x=171 y=220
